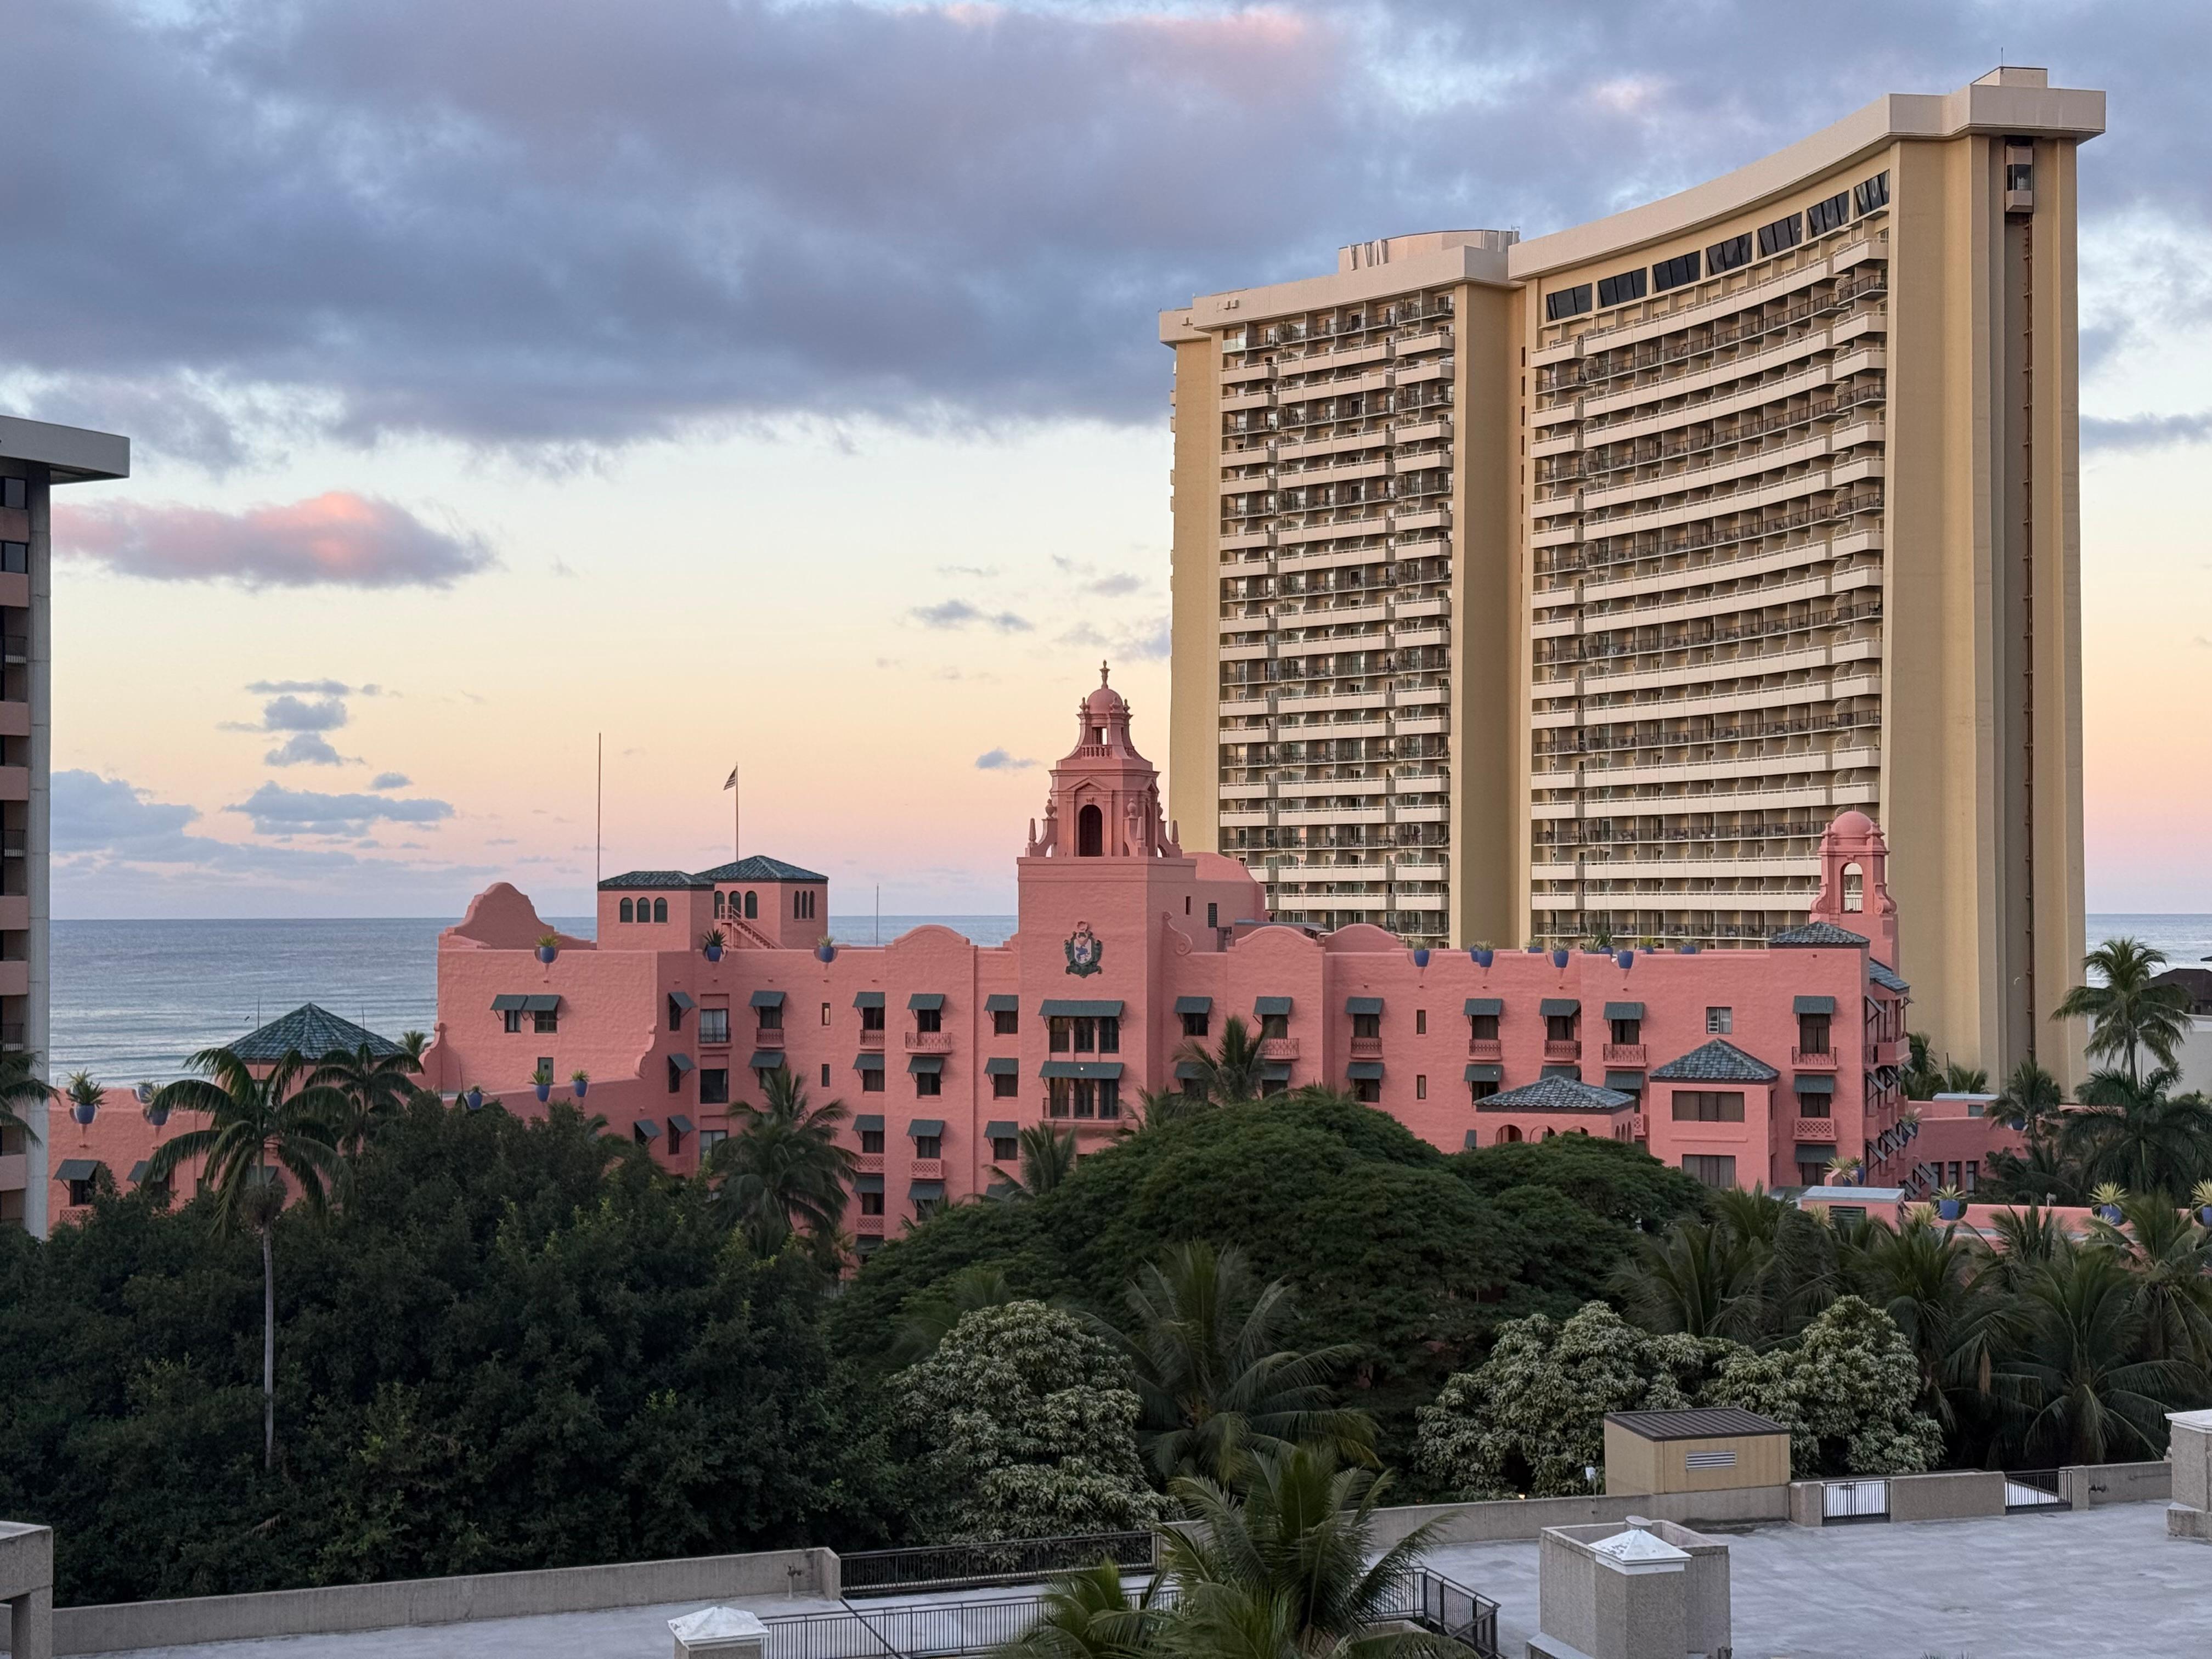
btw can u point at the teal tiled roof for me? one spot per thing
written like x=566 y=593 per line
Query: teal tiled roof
x=311 y=1030
x=1716 y=1062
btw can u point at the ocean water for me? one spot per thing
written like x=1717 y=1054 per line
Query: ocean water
x=134 y=1001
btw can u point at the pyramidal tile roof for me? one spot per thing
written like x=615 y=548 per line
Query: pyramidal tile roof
x=759 y=868
x=312 y=1030
x=1716 y=1062
x=1557 y=1094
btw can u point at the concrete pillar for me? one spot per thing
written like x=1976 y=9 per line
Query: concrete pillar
x=728 y=1632
x=26 y=1588
x=2190 y=1453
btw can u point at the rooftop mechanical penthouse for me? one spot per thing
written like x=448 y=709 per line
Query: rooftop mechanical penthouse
x=1740 y=1066
x=1553 y=588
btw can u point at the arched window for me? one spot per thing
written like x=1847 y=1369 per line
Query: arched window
x=660 y=909
x=718 y=900
x=1512 y=1132
x=752 y=906
x=628 y=910
x=1089 y=833
x=1854 y=888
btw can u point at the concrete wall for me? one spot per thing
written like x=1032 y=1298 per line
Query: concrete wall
x=27 y=1589
x=1963 y=1494
x=1518 y=1520
x=2090 y=1485
x=125 y=1625
x=1952 y=1496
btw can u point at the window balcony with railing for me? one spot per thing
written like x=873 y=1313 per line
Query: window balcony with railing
x=929 y=1042
x=1813 y=1059
x=1624 y=1054
x=1562 y=1050
x=1485 y=1049
x=1278 y=1049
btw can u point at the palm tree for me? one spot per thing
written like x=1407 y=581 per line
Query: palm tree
x=2127 y=1014
x=1048 y=1159
x=375 y=1087
x=782 y=1166
x=2031 y=1097
x=1089 y=1615
x=1699 y=1278
x=2083 y=1398
x=2027 y=1241
x=22 y=1089
x=1923 y=1078
x=1926 y=1279
x=1216 y=1383
x=1231 y=1072
x=414 y=1043
x=1284 y=1572
x=2170 y=1256
x=1961 y=1079
x=2133 y=1131
x=1156 y=1108
x=257 y=1128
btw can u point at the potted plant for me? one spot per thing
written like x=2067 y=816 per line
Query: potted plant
x=549 y=946
x=710 y=943
x=542 y=1080
x=153 y=1102
x=471 y=1097
x=1483 y=955
x=582 y=1081
x=1559 y=957
x=1625 y=958
x=1950 y=1203
x=1647 y=945
x=2105 y=1198
x=1685 y=950
x=1843 y=1171
x=2202 y=1199
x=825 y=949
x=1421 y=955
x=84 y=1098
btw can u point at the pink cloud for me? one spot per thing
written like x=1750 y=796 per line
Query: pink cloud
x=334 y=539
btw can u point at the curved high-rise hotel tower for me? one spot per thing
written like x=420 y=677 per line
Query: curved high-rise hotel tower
x=1566 y=588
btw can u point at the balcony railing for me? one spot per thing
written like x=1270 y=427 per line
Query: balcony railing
x=1813 y=1059
x=929 y=1042
x=926 y=1169
x=1558 y=1049
x=867 y=1226
x=1278 y=1049
x=1624 y=1054
x=1365 y=1048
x=872 y=1039
x=1814 y=1129
x=1484 y=1049
x=767 y=1036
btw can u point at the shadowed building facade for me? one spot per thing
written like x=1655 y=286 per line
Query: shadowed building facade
x=1543 y=589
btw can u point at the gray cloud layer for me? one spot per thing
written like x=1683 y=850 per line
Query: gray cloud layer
x=509 y=223
x=277 y=811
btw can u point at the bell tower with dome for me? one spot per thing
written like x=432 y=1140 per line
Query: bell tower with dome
x=1105 y=799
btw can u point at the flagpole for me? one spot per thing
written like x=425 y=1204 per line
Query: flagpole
x=737 y=795
x=598 y=818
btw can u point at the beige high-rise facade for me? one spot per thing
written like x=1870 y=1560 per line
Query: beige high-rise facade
x=1552 y=590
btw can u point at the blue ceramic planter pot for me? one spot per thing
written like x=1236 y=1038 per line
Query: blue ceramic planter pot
x=1421 y=956
x=473 y=1100
x=84 y=1111
x=1483 y=959
x=2109 y=1213
x=580 y=1086
x=544 y=1093
x=826 y=952
x=1685 y=950
x=1626 y=958
x=546 y=953
x=1558 y=958
x=1950 y=1209
x=714 y=953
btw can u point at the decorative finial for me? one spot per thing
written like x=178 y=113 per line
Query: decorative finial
x=1102 y=672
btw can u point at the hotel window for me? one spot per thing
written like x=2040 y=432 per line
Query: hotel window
x=713 y=1026
x=928 y=1019
x=1005 y=1085
x=1618 y=290
x=1675 y=273
x=1708 y=1106
x=1420 y=1087
x=1084 y=1097
x=802 y=904
x=872 y=1203
x=1627 y=1033
x=1831 y=214
x=925 y=1207
x=1782 y=233
x=871 y=1083
x=1367 y=1090
x=825 y=1074
x=1558 y=1028
x=929 y=1145
x=1194 y=1025
x=1482 y=1088
x=1727 y=256
x=628 y=912
x=545 y=1021
x=714 y=1085
x=871 y=1140
x=718 y=902
x=871 y=1018
x=709 y=1140
x=1421 y=1022
x=1566 y=302
x=16 y=492
x=929 y=1084
x=1873 y=192
x=15 y=557
x=1710 y=1171
x=1274 y=1027
x=678 y=1002
x=511 y=1019
x=1084 y=1034
x=752 y=906
x=1813 y=1034
x=1482 y=1028
x=81 y=1190
x=1367 y=1025
x=1005 y=1022
x=1005 y=1149
x=1719 y=1022
x=769 y=1015
x=660 y=909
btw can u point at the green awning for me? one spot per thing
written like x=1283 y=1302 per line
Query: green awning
x=1815 y=1084
x=1275 y=1070
x=926 y=1001
x=1559 y=1007
x=1081 y=1068
x=1816 y=1152
x=999 y=1129
x=921 y=1128
x=1470 y=1143
x=1627 y=1082
x=870 y=1063
x=1002 y=1002
x=768 y=1059
x=1484 y=1007
x=1624 y=1011
x=138 y=1170
x=679 y=1123
x=872 y=1121
x=767 y=1000
x=928 y=1064
x=646 y=1129
x=867 y=1183
x=1264 y=1006
x=681 y=1002
x=1485 y=1074
x=1188 y=1069
x=510 y=1003
x=1001 y=1067
x=868 y=1000
x=1363 y=1004
x=682 y=1062
x=540 y=1004
x=1815 y=1006
x=1574 y=1071
x=1365 y=1070
x=76 y=1168
x=924 y=1189
x=1194 y=1004
x=1074 y=1010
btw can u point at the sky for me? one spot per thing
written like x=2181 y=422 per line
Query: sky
x=715 y=383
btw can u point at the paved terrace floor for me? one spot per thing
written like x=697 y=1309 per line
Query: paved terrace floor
x=2109 y=1582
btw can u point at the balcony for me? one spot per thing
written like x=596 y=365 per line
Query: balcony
x=1484 y=1049
x=1624 y=1054
x=926 y=1169
x=1814 y=1129
x=867 y=1226
x=768 y=1037
x=1562 y=1051
x=1367 y=1048
x=929 y=1042
x=1278 y=1049
x=872 y=1039
x=1813 y=1059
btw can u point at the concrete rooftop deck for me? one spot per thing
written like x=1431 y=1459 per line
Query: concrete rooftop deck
x=2108 y=1582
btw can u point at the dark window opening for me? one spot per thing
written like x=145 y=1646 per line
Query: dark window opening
x=1089 y=833
x=1558 y=1028
x=1727 y=256
x=1782 y=233
x=929 y=1019
x=1366 y=1026
x=1873 y=192
x=871 y=1140
x=771 y=1019
x=871 y=1019
x=1822 y=217
x=929 y=1084
x=660 y=909
x=1813 y=1034
x=1567 y=302
x=627 y=912
x=871 y=1083
x=1368 y=1090
x=1005 y=1149
x=1005 y=1085
x=1711 y=1170
x=511 y=1019
x=1194 y=1025
x=1627 y=1033
x=1005 y=1022
x=545 y=1021
x=1675 y=273
x=714 y=1085
x=1708 y=1106
x=1618 y=290
x=872 y=1203
x=713 y=1026
x=929 y=1145
x=1482 y=1028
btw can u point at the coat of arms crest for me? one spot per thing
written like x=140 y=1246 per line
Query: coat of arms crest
x=1085 y=950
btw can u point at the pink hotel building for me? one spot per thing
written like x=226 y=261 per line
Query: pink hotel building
x=1740 y=1066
